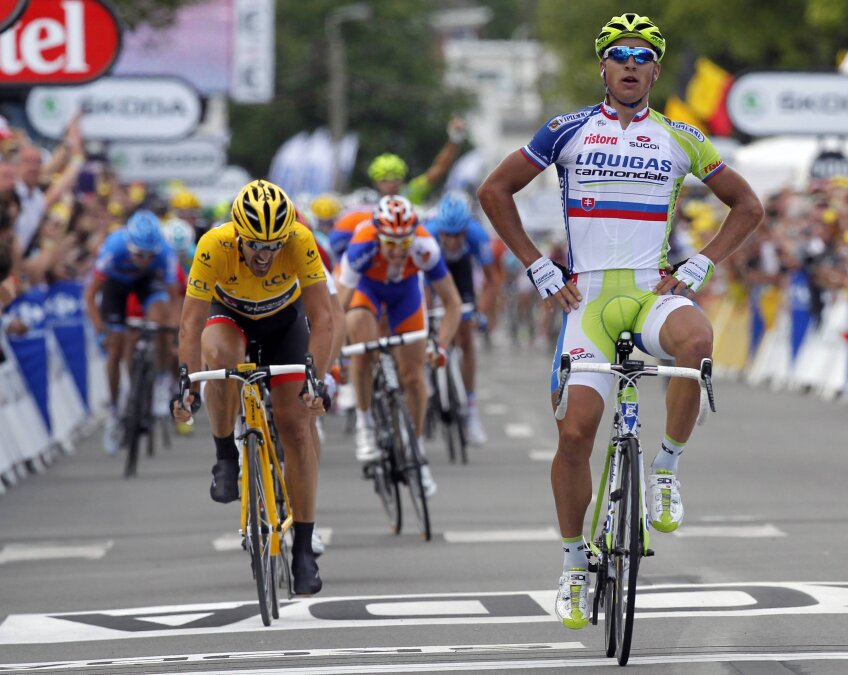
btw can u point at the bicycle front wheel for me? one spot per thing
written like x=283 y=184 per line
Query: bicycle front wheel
x=456 y=428
x=137 y=413
x=259 y=530
x=627 y=547
x=410 y=460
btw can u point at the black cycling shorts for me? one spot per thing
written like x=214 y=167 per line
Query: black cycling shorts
x=282 y=338
x=113 y=299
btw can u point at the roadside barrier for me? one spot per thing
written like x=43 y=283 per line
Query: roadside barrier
x=52 y=381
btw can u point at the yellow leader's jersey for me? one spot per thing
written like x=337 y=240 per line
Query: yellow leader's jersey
x=219 y=272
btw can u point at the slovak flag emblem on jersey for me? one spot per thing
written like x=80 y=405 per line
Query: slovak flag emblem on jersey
x=588 y=203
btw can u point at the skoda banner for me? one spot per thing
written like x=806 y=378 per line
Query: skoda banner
x=773 y=103
x=118 y=108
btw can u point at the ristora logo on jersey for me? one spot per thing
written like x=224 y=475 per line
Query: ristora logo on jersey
x=59 y=42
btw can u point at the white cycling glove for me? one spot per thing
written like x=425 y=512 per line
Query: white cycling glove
x=547 y=275
x=695 y=272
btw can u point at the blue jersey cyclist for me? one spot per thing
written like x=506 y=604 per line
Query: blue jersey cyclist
x=620 y=166
x=134 y=259
x=465 y=243
x=380 y=269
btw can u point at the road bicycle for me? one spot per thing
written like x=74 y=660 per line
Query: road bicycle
x=616 y=551
x=266 y=514
x=138 y=417
x=447 y=404
x=400 y=462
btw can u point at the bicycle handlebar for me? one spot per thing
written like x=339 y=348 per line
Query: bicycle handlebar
x=383 y=342
x=633 y=370
x=439 y=312
x=235 y=373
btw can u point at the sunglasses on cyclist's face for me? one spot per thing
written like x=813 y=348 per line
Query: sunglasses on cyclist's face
x=396 y=242
x=140 y=253
x=621 y=54
x=260 y=246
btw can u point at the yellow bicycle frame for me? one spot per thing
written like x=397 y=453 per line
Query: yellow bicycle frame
x=255 y=419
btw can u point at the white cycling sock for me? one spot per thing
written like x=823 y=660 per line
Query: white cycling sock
x=668 y=456
x=364 y=418
x=574 y=549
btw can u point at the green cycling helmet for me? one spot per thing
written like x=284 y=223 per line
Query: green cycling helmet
x=387 y=167
x=630 y=25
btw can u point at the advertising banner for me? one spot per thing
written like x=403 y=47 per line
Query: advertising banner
x=118 y=108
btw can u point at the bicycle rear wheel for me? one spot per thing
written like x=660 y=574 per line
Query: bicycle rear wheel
x=259 y=530
x=408 y=456
x=456 y=428
x=627 y=547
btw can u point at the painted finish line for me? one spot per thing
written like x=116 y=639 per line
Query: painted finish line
x=690 y=600
x=535 y=650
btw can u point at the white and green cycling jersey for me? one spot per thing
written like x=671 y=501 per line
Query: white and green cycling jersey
x=619 y=186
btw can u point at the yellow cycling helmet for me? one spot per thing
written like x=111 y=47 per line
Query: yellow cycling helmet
x=263 y=212
x=387 y=167
x=185 y=200
x=326 y=206
x=630 y=25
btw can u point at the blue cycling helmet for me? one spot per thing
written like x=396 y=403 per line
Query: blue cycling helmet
x=145 y=233
x=454 y=213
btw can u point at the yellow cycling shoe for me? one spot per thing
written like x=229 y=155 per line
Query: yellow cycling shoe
x=572 y=603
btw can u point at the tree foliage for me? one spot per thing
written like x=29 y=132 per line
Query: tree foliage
x=153 y=12
x=749 y=35
x=396 y=99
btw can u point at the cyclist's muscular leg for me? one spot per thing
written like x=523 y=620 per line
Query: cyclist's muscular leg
x=687 y=335
x=292 y=421
x=410 y=358
x=222 y=346
x=571 y=476
x=160 y=313
x=468 y=365
x=361 y=326
x=114 y=354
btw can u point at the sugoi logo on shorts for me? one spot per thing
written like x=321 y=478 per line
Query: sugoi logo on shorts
x=580 y=353
x=600 y=139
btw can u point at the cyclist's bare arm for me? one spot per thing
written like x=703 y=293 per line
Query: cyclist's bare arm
x=446 y=157
x=319 y=311
x=746 y=213
x=445 y=288
x=496 y=198
x=91 y=307
x=192 y=322
x=491 y=287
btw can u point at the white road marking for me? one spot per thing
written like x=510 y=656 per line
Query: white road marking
x=675 y=601
x=175 y=620
x=232 y=657
x=542 y=455
x=519 y=431
x=497 y=536
x=53 y=551
x=732 y=531
x=495 y=409
x=537 y=664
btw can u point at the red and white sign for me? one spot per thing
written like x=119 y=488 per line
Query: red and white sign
x=60 y=42
x=10 y=11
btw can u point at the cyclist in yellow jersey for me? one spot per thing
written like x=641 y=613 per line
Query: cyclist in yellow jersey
x=259 y=277
x=620 y=167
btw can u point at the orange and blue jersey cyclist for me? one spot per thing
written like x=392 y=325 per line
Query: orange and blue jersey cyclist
x=381 y=270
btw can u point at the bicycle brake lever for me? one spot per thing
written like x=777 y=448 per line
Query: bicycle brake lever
x=310 y=375
x=707 y=377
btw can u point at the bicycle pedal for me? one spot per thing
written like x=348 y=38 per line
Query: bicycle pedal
x=593 y=567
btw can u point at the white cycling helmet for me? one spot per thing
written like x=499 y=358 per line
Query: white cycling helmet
x=179 y=234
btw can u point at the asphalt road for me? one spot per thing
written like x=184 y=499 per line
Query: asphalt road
x=103 y=575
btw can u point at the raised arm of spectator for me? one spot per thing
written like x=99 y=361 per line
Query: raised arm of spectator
x=68 y=178
x=450 y=151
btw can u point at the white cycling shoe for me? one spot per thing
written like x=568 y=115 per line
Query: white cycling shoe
x=572 y=602
x=366 y=445
x=474 y=428
x=427 y=481
x=665 y=509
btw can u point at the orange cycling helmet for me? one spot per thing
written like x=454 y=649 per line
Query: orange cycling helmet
x=394 y=216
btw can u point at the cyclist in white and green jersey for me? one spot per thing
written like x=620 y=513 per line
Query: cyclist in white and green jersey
x=620 y=166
